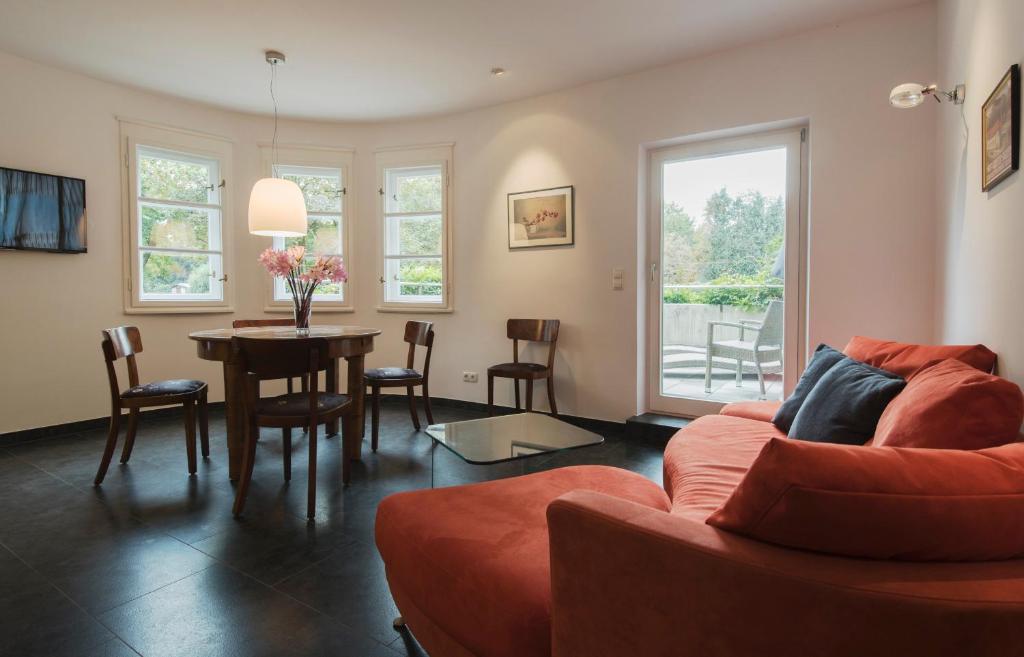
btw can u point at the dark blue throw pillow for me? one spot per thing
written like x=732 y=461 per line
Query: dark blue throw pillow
x=822 y=360
x=845 y=404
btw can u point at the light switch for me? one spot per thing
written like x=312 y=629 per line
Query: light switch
x=617 y=275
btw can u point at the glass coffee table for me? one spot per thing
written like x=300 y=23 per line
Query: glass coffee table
x=507 y=438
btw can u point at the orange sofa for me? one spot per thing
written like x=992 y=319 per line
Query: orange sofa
x=593 y=561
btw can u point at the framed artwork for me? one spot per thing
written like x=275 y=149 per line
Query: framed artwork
x=1000 y=129
x=542 y=217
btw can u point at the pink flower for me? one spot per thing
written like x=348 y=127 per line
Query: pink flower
x=276 y=262
x=297 y=253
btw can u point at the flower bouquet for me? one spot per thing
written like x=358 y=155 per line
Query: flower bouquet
x=303 y=278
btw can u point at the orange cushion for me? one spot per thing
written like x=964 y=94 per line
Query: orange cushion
x=905 y=359
x=762 y=411
x=883 y=502
x=474 y=559
x=707 y=459
x=952 y=405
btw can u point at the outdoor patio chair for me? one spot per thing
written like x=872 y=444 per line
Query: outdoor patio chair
x=764 y=351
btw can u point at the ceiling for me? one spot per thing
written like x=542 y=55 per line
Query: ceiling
x=387 y=59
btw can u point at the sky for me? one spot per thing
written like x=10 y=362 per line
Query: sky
x=690 y=182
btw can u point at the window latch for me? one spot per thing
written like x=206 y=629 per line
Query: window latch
x=382 y=280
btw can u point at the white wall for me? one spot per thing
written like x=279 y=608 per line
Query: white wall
x=981 y=274
x=872 y=233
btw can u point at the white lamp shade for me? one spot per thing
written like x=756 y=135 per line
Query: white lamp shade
x=277 y=209
x=907 y=95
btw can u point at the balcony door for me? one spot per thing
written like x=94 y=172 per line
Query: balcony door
x=725 y=271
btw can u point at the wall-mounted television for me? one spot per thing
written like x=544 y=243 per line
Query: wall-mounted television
x=42 y=212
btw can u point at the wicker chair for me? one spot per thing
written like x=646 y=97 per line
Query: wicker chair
x=764 y=350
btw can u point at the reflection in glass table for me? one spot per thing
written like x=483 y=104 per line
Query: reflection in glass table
x=508 y=438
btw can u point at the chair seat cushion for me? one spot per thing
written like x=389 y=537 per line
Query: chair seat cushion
x=745 y=345
x=708 y=458
x=160 y=388
x=387 y=373
x=475 y=558
x=297 y=403
x=517 y=369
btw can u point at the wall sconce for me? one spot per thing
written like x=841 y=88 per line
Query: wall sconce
x=911 y=94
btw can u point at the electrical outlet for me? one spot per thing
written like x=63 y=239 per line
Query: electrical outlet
x=470 y=377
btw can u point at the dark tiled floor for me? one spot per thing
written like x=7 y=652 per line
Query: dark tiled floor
x=153 y=563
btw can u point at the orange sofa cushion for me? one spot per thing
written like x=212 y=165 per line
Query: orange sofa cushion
x=459 y=554
x=763 y=411
x=883 y=502
x=707 y=459
x=952 y=405
x=905 y=359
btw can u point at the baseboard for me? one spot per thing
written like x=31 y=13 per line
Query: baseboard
x=603 y=427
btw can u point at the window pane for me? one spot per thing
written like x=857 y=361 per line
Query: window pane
x=322 y=237
x=178 y=228
x=415 y=235
x=165 y=177
x=415 y=189
x=320 y=187
x=178 y=274
x=414 y=280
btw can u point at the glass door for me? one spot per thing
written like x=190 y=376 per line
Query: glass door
x=725 y=272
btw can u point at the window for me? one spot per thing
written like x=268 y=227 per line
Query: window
x=176 y=203
x=415 y=267
x=322 y=175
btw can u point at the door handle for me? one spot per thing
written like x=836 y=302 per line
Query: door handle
x=654 y=268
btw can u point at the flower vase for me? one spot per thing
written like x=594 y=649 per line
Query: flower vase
x=302 y=309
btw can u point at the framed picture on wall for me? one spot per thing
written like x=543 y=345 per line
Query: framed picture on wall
x=541 y=217
x=1000 y=130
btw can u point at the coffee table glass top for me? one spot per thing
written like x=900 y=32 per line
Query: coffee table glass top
x=508 y=437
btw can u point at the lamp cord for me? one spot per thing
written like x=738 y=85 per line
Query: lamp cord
x=273 y=99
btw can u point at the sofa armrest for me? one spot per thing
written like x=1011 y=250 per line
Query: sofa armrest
x=631 y=580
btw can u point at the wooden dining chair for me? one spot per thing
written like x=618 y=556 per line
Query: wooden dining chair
x=528 y=330
x=416 y=334
x=279 y=359
x=126 y=342
x=256 y=323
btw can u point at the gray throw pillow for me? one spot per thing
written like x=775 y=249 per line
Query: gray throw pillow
x=822 y=360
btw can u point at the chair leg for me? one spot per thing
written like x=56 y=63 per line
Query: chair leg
x=707 y=372
x=129 y=439
x=490 y=395
x=286 y=451
x=551 y=396
x=311 y=492
x=529 y=394
x=204 y=425
x=739 y=373
x=291 y=387
x=190 y=435
x=515 y=382
x=760 y=379
x=304 y=383
x=375 y=417
x=411 y=392
x=426 y=403
x=249 y=460
x=108 y=451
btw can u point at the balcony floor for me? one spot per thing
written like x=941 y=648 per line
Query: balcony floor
x=683 y=376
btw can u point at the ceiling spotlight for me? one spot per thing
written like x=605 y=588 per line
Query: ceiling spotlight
x=911 y=94
x=497 y=72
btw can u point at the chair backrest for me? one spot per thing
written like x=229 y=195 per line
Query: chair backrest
x=281 y=359
x=121 y=342
x=419 y=334
x=533 y=330
x=250 y=323
x=772 y=325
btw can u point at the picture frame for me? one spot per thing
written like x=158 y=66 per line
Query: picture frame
x=542 y=217
x=1000 y=130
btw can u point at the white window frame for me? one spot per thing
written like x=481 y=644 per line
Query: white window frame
x=133 y=136
x=318 y=157
x=437 y=155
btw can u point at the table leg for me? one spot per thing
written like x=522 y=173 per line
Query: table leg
x=352 y=430
x=331 y=377
x=235 y=427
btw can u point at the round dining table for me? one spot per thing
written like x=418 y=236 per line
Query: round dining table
x=349 y=342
